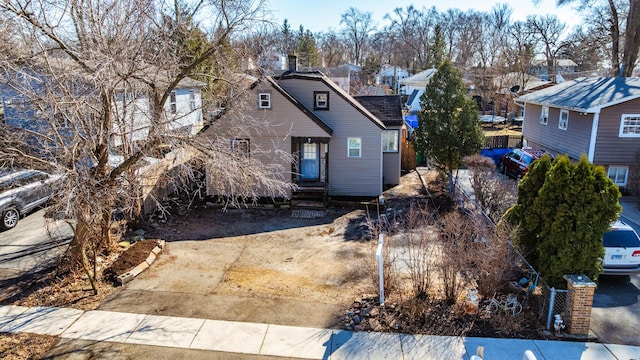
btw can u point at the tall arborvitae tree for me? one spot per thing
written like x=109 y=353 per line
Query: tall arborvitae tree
x=529 y=219
x=448 y=127
x=563 y=211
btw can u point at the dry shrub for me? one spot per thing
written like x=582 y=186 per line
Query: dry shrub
x=493 y=193
x=455 y=252
x=420 y=245
x=506 y=325
x=493 y=257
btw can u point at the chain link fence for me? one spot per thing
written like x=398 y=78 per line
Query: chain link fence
x=554 y=300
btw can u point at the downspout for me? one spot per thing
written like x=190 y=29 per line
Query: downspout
x=594 y=136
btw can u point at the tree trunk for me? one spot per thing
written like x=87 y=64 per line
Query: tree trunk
x=615 y=39
x=632 y=39
x=78 y=250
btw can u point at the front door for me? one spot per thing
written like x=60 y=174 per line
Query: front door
x=310 y=162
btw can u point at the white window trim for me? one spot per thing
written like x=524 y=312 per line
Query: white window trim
x=267 y=100
x=349 y=148
x=621 y=130
x=192 y=100
x=618 y=168
x=385 y=142
x=321 y=104
x=566 y=122
x=173 y=102
x=544 y=115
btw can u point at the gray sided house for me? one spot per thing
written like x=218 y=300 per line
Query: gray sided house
x=598 y=117
x=389 y=110
x=335 y=143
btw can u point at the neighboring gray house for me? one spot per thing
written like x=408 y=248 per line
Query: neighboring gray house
x=599 y=117
x=336 y=143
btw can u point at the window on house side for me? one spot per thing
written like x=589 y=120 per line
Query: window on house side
x=618 y=174
x=544 y=115
x=564 y=119
x=354 y=147
x=630 y=125
x=390 y=141
x=192 y=100
x=321 y=100
x=264 y=100
x=172 y=102
x=241 y=147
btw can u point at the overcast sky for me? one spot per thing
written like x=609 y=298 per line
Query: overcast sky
x=321 y=15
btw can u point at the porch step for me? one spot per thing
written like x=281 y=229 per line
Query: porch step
x=309 y=197
x=307 y=204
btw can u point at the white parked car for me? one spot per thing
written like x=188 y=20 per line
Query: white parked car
x=493 y=119
x=622 y=250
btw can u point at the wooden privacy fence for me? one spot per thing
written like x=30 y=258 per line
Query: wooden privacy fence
x=409 y=157
x=503 y=141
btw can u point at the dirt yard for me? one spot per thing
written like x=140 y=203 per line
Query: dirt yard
x=260 y=265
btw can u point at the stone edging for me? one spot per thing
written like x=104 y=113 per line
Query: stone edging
x=131 y=274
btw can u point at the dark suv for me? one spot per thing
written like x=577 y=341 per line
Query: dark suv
x=516 y=163
x=23 y=191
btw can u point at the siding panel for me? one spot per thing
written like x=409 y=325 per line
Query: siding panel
x=347 y=176
x=573 y=142
x=268 y=129
x=610 y=148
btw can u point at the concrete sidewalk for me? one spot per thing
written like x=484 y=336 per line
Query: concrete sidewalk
x=284 y=341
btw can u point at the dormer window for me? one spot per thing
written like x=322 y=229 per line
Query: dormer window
x=321 y=100
x=264 y=101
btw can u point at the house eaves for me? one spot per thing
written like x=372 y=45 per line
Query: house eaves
x=318 y=76
x=587 y=95
x=420 y=79
x=299 y=105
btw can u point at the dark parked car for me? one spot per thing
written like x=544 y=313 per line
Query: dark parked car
x=23 y=191
x=516 y=163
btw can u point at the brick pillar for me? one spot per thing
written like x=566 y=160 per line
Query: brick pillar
x=579 y=303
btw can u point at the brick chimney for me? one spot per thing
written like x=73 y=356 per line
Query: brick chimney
x=293 y=61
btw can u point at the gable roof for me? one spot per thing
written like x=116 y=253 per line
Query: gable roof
x=587 y=95
x=421 y=78
x=299 y=105
x=387 y=108
x=318 y=76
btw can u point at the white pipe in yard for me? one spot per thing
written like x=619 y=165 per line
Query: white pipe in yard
x=380 y=257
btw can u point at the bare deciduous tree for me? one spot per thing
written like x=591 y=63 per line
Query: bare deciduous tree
x=358 y=26
x=90 y=79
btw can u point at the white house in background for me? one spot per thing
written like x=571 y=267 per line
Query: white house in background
x=413 y=86
x=560 y=66
x=183 y=111
x=272 y=61
x=391 y=76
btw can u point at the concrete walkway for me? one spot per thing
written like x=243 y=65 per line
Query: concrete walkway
x=284 y=341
